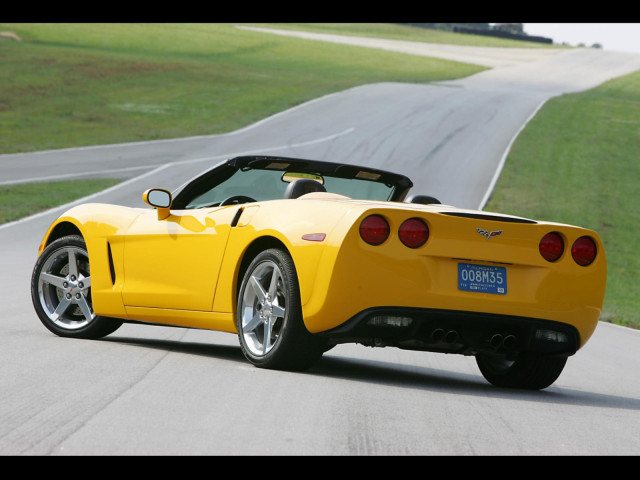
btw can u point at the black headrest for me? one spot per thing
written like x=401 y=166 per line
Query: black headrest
x=303 y=186
x=424 y=199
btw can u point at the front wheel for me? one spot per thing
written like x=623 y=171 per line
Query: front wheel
x=61 y=291
x=269 y=320
x=524 y=370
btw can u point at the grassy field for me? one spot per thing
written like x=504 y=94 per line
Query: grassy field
x=577 y=162
x=81 y=84
x=17 y=201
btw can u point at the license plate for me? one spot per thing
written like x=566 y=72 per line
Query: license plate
x=482 y=278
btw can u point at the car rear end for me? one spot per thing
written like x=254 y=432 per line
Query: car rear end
x=441 y=279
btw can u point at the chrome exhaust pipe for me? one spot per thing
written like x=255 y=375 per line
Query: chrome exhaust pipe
x=440 y=336
x=437 y=335
x=509 y=342
x=451 y=336
x=496 y=341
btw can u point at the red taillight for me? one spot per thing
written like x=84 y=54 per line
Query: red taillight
x=584 y=251
x=374 y=229
x=413 y=232
x=552 y=246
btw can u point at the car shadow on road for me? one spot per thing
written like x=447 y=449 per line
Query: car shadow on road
x=444 y=381
x=398 y=375
x=222 y=352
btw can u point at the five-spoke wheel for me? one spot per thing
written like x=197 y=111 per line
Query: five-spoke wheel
x=269 y=316
x=61 y=291
x=263 y=308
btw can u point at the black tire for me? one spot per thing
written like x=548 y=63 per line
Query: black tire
x=524 y=370
x=61 y=293
x=269 y=319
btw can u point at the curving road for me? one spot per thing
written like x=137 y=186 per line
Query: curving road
x=154 y=390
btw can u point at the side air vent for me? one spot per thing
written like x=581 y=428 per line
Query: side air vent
x=236 y=217
x=111 y=267
x=493 y=218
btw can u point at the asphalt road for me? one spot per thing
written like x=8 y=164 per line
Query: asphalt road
x=152 y=390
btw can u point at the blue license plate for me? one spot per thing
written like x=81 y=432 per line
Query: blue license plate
x=482 y=278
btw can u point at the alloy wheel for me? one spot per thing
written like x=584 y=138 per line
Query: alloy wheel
x=263 y=308
x=64 y=284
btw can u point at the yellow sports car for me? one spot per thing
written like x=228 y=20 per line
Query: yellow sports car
x=295 y=256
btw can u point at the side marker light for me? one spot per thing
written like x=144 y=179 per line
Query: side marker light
x=314 y=237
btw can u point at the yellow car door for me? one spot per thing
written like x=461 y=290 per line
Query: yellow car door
x=174 y=263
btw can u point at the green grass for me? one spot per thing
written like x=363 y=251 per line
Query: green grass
x=17 y=201
x=577 y=162
x=87 y=84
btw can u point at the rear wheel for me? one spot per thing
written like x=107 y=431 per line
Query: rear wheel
x=271 y=330
x=61 y=291
x=524 y=370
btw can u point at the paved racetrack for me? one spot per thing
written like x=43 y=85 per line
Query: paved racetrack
x=155 y=390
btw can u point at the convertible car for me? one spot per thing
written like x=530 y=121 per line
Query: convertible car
x=296 y=256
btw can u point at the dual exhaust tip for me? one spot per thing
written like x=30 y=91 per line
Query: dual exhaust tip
x=497 y=341
x=442 y=336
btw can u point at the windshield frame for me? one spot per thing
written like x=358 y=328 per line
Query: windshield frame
x=216 y=176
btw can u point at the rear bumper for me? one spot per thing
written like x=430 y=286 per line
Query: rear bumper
x=451 y=331
x=353 y=277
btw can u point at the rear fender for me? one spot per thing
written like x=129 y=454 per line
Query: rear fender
x=305 y=229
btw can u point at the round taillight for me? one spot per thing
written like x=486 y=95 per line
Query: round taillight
x=413 y=232
x=551 y=246
x=583 y=251
x=374 y=229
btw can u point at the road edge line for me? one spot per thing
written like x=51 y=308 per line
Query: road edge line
x=79 y=201
x=496 y=175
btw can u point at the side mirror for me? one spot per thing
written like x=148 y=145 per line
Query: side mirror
x=159 y=199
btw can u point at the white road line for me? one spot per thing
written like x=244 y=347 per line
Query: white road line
x=66 y=206
x=145 y=167
x=81 y=200
x=496 y=175
x=69 y=176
